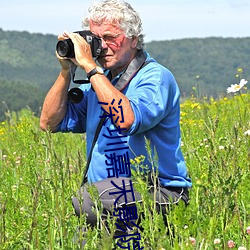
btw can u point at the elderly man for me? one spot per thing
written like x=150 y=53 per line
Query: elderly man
x=144 y=99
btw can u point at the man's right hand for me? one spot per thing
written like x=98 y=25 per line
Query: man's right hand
x=66 y=63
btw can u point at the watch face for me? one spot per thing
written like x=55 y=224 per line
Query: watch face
x=99 y=70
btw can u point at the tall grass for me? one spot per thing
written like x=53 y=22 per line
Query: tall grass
x=40 y=172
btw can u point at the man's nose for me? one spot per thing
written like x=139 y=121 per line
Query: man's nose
x=104 y=44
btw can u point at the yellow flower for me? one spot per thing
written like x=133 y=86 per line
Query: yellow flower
x=137 y=159
x=240 y=70
x=195 y=105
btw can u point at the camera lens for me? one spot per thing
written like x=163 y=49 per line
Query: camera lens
x=65 y=48
x=75 y=95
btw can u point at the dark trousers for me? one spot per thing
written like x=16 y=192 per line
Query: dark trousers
x=114 y=197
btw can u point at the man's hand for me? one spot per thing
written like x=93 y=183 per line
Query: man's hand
x=83 y=54
x=66 y=63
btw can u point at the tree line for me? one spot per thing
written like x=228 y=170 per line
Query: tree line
x=202 y=67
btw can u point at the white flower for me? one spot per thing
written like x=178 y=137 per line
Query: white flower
x=237 y=87
x=242 y=248
x=22 y=210
x=192 y=240
x=217 y=241
x=246 y=133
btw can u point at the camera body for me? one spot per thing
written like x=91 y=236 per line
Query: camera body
x=65 y=48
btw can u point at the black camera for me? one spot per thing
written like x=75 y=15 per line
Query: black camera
x=65 y=48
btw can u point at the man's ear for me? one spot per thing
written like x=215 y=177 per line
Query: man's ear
x=134 y=42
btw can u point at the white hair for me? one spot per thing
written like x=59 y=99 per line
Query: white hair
x=120 y=13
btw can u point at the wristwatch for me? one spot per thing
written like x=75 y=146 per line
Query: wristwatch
x=96 y=70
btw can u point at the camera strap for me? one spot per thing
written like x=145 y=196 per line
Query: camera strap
x=136 y=64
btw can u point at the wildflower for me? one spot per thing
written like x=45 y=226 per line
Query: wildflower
x=247 y=133
x=242 y=248
x=237 y=87
x=137 y=160
x=216 y=241
x=45 y=216
x=132 y=162
x=221 y=147
x=240 y=70
x=248 y=230
x=71 y=167
x=192 y=240
x=14 y=188
x=230 y=244
x=198 y=182
x=195 y=106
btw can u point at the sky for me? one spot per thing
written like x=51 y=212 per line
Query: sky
x=162 y=19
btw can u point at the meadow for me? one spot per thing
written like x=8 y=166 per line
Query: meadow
x=40 y=172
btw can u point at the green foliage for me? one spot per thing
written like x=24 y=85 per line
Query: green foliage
x=218 y=153
x=28 y=58
x=40 y=172
x=14 y=95
x=28 y=68
x=208 y=62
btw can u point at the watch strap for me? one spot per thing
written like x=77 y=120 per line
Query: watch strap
x=93 y=72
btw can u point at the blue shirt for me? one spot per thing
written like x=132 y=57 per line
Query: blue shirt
x=154 y=97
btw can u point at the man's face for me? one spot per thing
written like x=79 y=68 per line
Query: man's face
x=118 y=50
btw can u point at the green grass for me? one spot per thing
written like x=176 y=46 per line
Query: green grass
x=40 y=172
